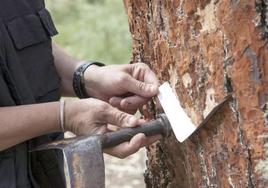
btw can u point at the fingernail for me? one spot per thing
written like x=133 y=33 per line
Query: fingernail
x=153 y=89
x=132 y=121
x=126 y=103
x=111 y=101
x=142 y=121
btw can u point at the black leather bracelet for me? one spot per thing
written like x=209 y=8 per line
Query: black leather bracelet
x=78 y=79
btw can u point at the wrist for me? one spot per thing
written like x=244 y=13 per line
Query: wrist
x=72 y=114
x=91 y=80
x=69 y=112
x=79 y=80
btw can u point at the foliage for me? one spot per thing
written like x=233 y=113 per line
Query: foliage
x=92 y=29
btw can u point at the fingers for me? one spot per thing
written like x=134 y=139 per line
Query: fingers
x=143 y=72
x=152 y=139
x=115 y=101
x=128 y=148
x=113 y=127
x=141 y=80
x=141 y=88
x=133 y=102
x=128 y=103
x=125 y=149
x=101 y=130
x=150 y=77
x=116 y=117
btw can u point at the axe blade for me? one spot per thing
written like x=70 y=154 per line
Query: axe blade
x=181 y=123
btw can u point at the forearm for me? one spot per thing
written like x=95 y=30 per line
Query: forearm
x=65 y=65
x=21 y=123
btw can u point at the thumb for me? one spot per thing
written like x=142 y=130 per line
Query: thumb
x=141 y=88
x=121 y=119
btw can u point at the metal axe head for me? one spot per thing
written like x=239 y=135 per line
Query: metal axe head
x=83 y=161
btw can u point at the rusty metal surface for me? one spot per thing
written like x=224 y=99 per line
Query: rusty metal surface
x=83 y=161
x=207 y=49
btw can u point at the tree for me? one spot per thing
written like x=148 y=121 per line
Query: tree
x=207 y=49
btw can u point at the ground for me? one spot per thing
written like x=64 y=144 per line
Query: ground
x=125 y=173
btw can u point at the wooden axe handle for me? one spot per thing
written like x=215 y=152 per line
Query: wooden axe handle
x=159 y=126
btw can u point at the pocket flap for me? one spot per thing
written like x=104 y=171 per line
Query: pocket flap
x=48 y=22
x=31 y=29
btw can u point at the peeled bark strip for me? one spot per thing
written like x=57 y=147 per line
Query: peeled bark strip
x=207 y=49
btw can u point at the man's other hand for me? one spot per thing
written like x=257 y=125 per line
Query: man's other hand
x=92 y=116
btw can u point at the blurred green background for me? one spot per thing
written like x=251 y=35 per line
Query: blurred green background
x=92 y=29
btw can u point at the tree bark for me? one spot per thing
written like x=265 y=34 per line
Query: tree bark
x=207 y=49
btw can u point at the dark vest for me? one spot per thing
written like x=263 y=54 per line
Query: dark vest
x=27 y=76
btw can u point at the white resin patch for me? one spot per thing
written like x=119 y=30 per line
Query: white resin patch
x=180 y=122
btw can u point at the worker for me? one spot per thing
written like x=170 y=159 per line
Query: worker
x=34 y=74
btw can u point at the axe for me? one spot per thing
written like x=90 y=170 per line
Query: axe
x=83 y=156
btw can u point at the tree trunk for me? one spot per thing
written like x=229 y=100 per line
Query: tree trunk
x=207 y=49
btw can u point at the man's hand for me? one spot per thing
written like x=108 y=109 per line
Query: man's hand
x=127 y=87
x=92 y=116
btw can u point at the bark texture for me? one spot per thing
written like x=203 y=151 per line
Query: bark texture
x=207 y=49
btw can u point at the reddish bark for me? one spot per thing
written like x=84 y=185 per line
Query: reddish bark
x=207 y=49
